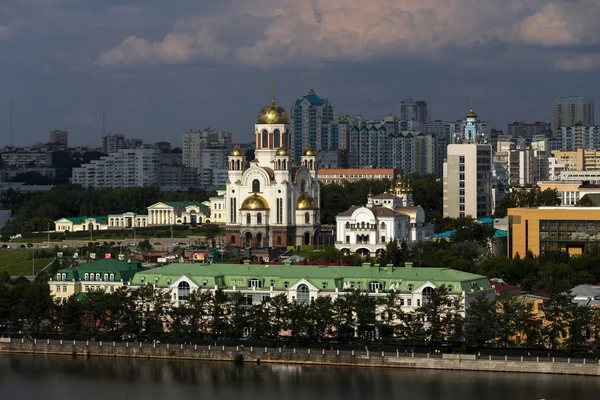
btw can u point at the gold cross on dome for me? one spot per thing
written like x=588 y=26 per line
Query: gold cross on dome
x=272 y=84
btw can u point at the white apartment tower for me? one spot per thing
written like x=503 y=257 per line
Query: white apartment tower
x=468 y=174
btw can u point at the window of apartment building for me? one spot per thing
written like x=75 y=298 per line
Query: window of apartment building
x=461 y=184
x=461 y=192
x=461 y=159
x=461 y=168
x=401 y=302
x=461 y=177
x=58 y=288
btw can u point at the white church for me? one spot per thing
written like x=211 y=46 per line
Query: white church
x=386 y=217
x=271 y=202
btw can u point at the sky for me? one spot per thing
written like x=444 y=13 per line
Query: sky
x=159 y=68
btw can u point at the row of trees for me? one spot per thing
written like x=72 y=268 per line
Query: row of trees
x=509 y=322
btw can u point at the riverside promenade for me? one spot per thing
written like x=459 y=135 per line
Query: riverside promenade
x=456 y=362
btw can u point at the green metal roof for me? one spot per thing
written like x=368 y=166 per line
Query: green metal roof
x=81 y=220
x=122 y=270
x=183 y=204
x=223 y=275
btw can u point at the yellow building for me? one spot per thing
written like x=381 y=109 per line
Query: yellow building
x=102 y=275
x=570 y=229
x=579 y=159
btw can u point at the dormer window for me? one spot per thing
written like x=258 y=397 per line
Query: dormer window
x=64 y=277
x=254 y=283
x=105 y=277
x=112 y=277
x=410 y=287
x=375 y=285
x=142 y=279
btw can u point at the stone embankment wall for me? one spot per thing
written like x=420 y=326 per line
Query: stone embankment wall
x=296 y=356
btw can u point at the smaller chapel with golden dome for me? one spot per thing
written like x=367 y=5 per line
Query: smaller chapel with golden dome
x=389 y=216
x=269 y=201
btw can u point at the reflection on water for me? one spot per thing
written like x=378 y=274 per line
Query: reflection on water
x=54 y=377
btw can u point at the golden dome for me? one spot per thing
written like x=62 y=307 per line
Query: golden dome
x=399 y=184
x=255 y=202
x=309 y=152
x=306 y=202
x=272 y=114
x=471 y=113
x=282 y=151
x=236 y=152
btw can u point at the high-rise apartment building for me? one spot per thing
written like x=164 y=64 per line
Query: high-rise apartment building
x=58 y=138
x=468 y=174
x=200 y=144
x=312 y=125
x=411 y=110
x=578 y=136
x=112 y=143
x=568 y=111
x=526 y=129
x=124 y=168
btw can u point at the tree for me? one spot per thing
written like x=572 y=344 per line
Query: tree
x=527 y=198
x=481 y=321
x=211 y=231
x=437 y=308
x=320 y=318
x=36 y=304
x=578 y=322
x=556 y=314
x=507 y=315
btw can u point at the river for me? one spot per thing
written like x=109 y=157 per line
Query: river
x=28 y=377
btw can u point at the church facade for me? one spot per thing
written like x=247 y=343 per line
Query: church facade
x=270 y=202
x=386 y=217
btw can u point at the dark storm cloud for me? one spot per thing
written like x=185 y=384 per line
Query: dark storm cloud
x=159 y=68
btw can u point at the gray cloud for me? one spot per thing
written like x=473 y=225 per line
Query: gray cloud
x=313 y=31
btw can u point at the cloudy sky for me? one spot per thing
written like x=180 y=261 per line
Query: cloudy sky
x=159 y=68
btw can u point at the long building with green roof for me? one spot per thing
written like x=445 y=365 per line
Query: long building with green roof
x=305 y=283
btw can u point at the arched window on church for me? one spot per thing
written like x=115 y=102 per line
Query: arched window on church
x=302 y=186
x=284 y=164
x=248 y=219
x=306 y=218
x=259 y=219
x=256 y=186
x=265 y=139
x=311 y=165
x=277 y=139
x=237 y=165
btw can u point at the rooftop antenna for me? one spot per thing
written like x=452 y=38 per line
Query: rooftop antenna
x=10 y=121
x=103 y=123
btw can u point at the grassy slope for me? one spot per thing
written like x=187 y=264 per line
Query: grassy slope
x=15 y=266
